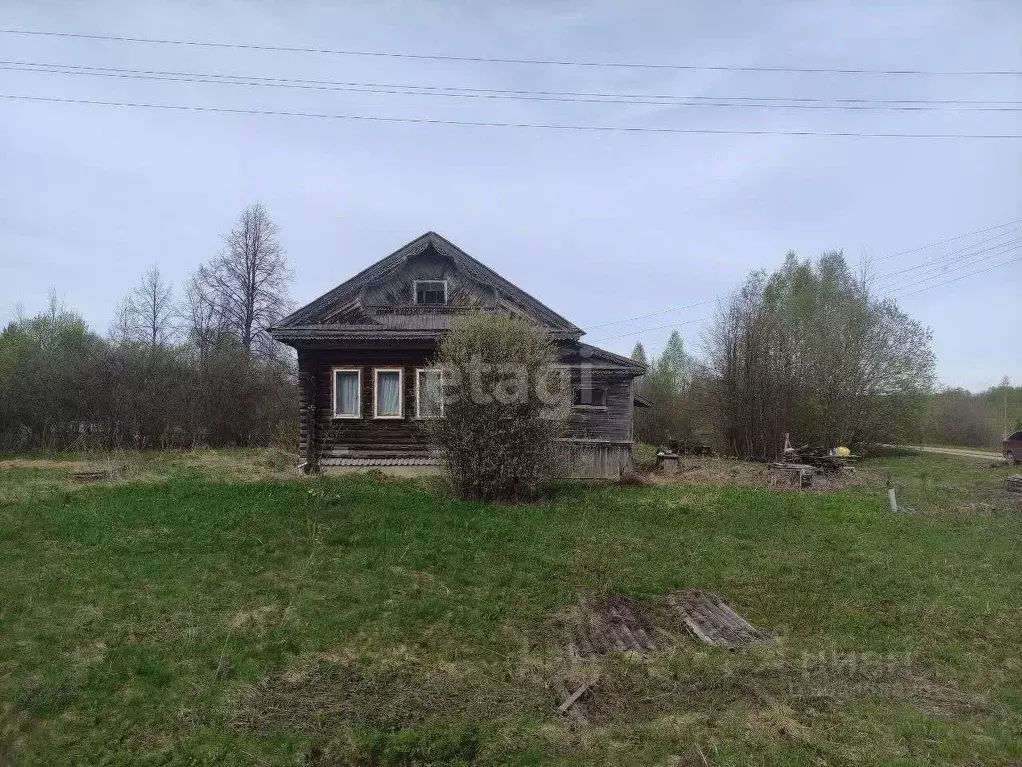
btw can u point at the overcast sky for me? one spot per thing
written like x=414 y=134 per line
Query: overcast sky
x=600 y=226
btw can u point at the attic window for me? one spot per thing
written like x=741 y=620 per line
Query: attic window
x=430 y=292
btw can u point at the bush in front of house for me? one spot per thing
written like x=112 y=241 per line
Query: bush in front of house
x=504 y=408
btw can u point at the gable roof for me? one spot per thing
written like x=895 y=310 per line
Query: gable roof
x=341 y=313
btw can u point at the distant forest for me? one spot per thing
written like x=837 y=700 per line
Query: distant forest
x=959 y=417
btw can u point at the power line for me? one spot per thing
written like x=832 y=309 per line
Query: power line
x=654 y=314
x=1003 y=248
x=493 y=124
x=494 y=60
x=962 y=277
x=943 y=258
x=1000 y=249
x=893 y=288
x=949 y=239
x=903 y=295
x=539 y=92
x=943 y=263
x=890 y=105
x=647 y=330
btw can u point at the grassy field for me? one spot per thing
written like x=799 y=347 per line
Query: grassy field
x=214 y=608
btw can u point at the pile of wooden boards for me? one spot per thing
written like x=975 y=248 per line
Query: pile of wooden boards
x=818 y=458
x=1013 y=483
x=618 y=625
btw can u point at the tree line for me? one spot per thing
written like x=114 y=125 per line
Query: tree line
x=807 y=350
x=178 y=368
x=959 y=417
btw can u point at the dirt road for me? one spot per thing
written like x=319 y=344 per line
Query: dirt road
x=964 y=452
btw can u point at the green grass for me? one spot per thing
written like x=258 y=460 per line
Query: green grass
x=170 y=618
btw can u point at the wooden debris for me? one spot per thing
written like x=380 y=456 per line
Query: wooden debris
x=667 y=462
x=611 y=625
x=818 y=458
x=706 y=616
x=1013 y=483
x=571 y=707
x=563 y=708
x=796 y=474
x=89 y=476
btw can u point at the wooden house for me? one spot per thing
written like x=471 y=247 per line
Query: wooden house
x=364 y=350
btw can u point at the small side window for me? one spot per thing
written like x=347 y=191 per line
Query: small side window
x=589 y=397
x=1016 y=436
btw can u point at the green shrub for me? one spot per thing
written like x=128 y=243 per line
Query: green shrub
x=504 y=408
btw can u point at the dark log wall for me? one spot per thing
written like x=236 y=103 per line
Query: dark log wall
x=613 y=422
x=368 y=435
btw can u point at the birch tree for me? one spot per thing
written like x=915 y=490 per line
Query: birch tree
x=247 y=284
x=146 y=315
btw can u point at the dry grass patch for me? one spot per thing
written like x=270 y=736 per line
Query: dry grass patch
x=327 y=693
x=22 y=479
x=702 y=470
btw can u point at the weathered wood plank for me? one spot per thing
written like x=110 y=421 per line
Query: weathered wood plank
x=706 y=616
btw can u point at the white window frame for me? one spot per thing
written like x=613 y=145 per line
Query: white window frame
x=415 y=292
x=400 y=393
x=418 y=393
x=333 y=392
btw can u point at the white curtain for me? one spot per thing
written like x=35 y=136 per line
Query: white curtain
x=346 y=392
x=388 y=392
x=431 y=402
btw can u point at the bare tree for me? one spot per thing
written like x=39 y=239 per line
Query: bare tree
x=146 y=315
x=200 y=317
x=247 y=282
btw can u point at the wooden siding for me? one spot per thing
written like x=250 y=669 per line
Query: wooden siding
x=586 y=459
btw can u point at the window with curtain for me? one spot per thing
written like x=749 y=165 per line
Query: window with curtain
x=347 y=394
x=429 y=394
x=388 y=393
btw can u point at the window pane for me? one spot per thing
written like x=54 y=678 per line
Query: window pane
x=388 y=393
x=431 y=403
x=431 y=292
x=595 y=397
x=346 y=393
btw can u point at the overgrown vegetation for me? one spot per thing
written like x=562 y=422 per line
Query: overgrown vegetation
x=673 y=384
x=809 y=351
x=174 y=371
x=959 y=417
x=164 y=617
x=504 y=408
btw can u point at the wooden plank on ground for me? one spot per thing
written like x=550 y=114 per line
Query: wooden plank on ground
x=707 y=617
